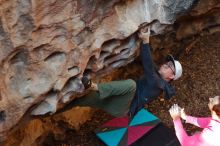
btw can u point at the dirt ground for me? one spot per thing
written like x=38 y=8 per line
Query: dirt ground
x=200 y=80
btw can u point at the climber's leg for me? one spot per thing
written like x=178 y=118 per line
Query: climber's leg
x=113 y=97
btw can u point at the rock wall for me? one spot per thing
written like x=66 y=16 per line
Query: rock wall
x=203 y=19
x=46 y=46
x=33 y=132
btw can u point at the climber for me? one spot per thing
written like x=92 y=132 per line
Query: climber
x=128 y=96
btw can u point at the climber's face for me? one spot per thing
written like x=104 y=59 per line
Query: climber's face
x=167 y=71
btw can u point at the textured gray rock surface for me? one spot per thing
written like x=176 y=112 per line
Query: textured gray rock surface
x=46 y=46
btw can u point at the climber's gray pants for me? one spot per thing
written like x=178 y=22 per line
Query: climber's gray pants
x=113 y=97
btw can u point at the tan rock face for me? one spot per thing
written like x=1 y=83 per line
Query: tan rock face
x=46 y=46
x=204 y=17
x=31 y=132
